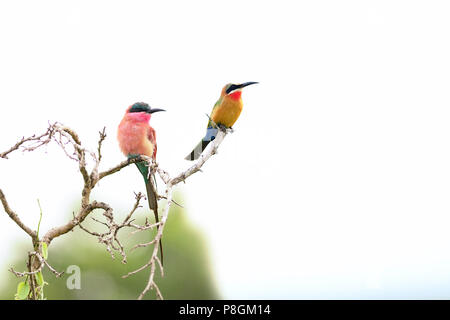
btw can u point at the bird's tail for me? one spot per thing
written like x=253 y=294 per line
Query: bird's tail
x=211 y=134
x=152 y=196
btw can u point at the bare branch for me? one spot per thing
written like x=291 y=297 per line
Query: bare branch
x=138 y=197
x=210 y=150
x=118 y=167
x=82 y=214
x=70 y=143
x=143 y=245
x=100 y=141
x=42 y=262
x=16 y=218
x=150 y=281
x=38 y=140
x=144 y=227
x=110 y=238
x=158 y=292
x=57 y=274
x=94 y=177
x=152 y=261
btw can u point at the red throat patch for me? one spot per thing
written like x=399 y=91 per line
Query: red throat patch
x=235 y=95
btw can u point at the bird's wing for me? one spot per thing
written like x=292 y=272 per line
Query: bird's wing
x=211 y=116
x=151 y=135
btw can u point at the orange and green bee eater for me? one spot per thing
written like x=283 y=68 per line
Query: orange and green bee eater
x=224 y=113
x=136 y=137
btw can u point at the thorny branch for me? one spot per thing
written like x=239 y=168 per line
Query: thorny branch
x=71 y=145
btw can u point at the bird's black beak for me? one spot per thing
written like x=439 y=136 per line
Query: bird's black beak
x=243 y=85
x=155 y=110
x=239 y=86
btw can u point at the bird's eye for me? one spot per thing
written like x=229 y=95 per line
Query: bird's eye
x=231 y=88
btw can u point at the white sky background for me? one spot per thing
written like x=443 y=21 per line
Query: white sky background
x=335 y=183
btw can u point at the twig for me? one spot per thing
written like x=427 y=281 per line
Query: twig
x=100 y=141
x=42 y=263
x=210 y=150
x=118 y=167
x=48 y=133
x=16 y=218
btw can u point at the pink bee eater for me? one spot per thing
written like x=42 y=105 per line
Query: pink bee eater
x=136 y=137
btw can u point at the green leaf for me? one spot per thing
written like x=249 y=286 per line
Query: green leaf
x=44 y=250
x=23 y=289
x=39 y=278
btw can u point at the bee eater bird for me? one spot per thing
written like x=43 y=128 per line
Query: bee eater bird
x=224 y=114
x=136 y=137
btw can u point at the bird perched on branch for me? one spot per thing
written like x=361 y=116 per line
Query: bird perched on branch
x=224 y=114
x=136 y=137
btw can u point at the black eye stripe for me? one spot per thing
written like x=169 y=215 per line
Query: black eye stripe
x=231 y=88
x=138 y=109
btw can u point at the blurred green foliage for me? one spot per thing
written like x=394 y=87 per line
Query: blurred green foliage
x=187 y=271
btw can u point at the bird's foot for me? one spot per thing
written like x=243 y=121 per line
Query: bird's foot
x=222 y=127
x=132 y=157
